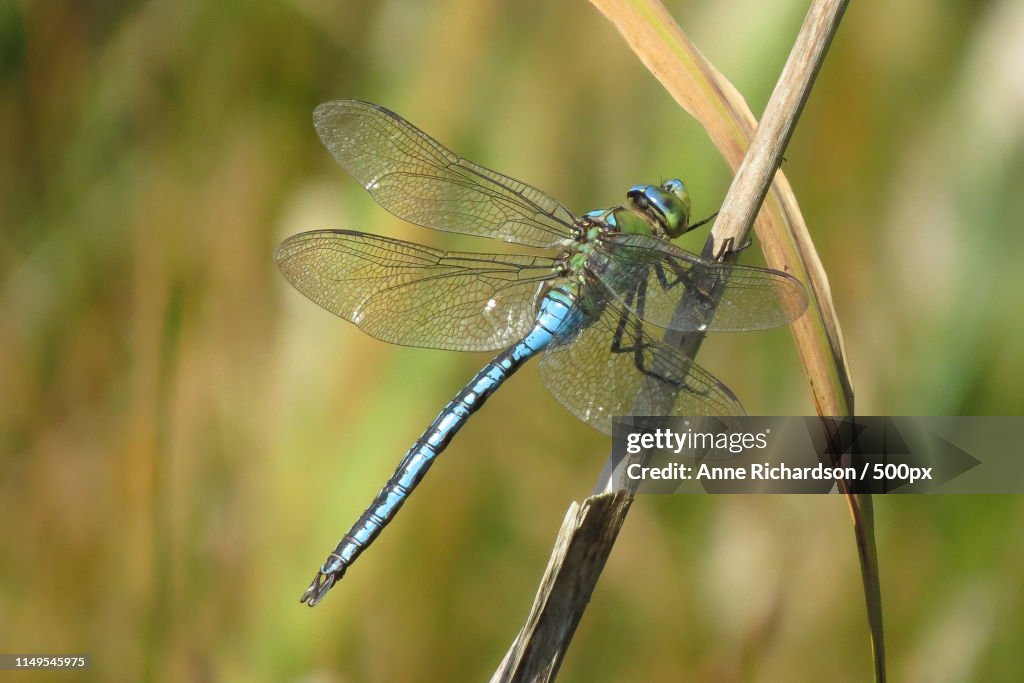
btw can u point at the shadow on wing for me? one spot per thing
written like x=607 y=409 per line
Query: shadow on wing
x=613 y=367
x=651 y=277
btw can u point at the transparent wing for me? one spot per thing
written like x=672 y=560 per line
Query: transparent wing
x=408 y=294
x=651 y=277
x=416 y=178
x=613 y=367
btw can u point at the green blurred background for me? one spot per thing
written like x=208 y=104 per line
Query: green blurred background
x=183 y=437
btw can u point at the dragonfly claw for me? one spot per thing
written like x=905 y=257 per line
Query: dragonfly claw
x=318 y=589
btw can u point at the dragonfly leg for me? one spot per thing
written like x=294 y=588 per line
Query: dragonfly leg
x=727 y=247
x=629 y=338
x=682 y=277
x=694 y=226
x=695 y=285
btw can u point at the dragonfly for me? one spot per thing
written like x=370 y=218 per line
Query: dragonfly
x=588 y=310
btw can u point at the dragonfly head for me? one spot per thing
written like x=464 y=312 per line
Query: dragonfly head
x=666 y=206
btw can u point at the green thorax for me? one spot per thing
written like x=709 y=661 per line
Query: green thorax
x=657 y=210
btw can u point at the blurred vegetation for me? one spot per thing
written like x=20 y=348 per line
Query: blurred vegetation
x=183 y=438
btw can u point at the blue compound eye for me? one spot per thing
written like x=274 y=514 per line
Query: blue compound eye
x=665 y=208
x=676 y=187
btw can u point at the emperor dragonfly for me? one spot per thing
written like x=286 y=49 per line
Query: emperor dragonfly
x=585 y=307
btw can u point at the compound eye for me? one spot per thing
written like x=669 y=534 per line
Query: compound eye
x=636 y=193
x=676 y=187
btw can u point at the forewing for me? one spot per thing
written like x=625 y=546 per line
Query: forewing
x=653 y=277
x=419 y=180
x=613 y=367
x=408 y=294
